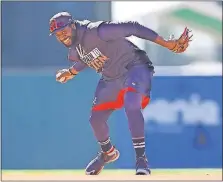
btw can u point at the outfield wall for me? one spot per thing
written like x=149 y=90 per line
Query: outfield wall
x=45 y=124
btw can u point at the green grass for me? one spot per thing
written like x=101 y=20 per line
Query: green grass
x=117 y=171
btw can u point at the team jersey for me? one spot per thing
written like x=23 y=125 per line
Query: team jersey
x=104 y=47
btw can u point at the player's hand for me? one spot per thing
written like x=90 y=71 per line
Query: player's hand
x=180 y=45
x=64 y=75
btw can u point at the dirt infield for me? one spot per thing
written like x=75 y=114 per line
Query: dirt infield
x=112 y=176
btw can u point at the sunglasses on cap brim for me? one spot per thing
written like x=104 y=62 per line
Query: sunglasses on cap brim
x=57 y=26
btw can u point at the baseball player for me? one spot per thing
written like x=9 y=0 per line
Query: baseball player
x=126 y=76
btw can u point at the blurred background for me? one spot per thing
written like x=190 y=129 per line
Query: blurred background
x=45 y=125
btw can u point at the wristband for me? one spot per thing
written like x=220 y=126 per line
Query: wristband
x=71 y=72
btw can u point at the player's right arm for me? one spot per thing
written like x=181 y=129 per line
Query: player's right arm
x=77 y=67
x=64 y=75
x=67 y=74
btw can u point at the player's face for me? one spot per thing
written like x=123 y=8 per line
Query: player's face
x=65 y=36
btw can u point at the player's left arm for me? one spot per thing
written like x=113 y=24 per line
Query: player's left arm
x=115 y=30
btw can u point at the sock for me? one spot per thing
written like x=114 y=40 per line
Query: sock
x=106 y=146
x=139 y=146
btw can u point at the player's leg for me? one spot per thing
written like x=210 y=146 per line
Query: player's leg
x=98 y=121
x=109 y=153
x=105 y=95
x=139 y=84
x=136 y=125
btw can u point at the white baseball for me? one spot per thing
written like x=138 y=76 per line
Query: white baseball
x=61 y=79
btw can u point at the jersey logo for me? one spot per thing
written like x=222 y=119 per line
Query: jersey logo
x=95 y=101
x=94 y=59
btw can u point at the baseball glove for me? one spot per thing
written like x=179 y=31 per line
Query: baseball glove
x=182 y=43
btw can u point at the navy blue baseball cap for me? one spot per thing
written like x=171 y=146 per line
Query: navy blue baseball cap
x=59 y=21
